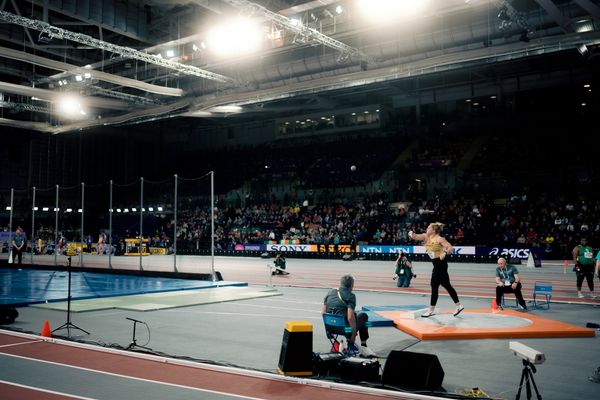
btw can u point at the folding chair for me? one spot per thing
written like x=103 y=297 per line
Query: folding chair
x=504 y=303
x=335 y=326
x=542 y=288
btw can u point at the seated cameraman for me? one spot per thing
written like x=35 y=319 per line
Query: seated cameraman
x=342 y=301
x=508 y=281
x=279 y=265
x=404 y=272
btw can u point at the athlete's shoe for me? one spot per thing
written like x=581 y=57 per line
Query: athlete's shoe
x=427 y=314
x=458 y=310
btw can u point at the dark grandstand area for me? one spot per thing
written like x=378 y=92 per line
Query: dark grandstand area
x=517 y=170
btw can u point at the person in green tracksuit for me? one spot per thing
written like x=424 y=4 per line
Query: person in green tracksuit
x=403 y=272
x=583 y=255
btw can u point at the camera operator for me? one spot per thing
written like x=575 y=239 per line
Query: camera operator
x=404 y=271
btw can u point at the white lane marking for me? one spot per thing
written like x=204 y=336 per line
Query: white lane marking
x=20 y=343
x=241 y=314
x=37 y=389
x=133 y=377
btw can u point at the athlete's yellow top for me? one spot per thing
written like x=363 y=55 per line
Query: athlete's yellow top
x=434 y=249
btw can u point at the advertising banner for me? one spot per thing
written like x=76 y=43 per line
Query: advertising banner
x=300 y=248
x=251 y=247
x=461 y=250
x=511 y=252
x=384 y=249
x=335 y=248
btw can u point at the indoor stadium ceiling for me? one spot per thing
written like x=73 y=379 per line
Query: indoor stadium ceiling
x=72 y=64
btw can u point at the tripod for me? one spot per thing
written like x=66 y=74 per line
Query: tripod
x=68 y=325
x=133 y=343
x=527 y=376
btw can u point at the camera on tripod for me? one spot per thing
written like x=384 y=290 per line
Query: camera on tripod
x=527 y=353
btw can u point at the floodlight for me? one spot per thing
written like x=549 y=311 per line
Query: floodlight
x=195 y=48
x=150 y=209
x=339 y=9
x=126 y=210
x=582 y=49
x=45 y=209
x=8 y=208
x=69 y=210
x=227 y=109
x=170 y=53
x=68 y=106
x=159 y=208
x=118 y=210
x=78 y=78
x=391 y=10
x=79 y=210
x=35 y=208
x=134 y=210
x=87 y=75
x=240 y=36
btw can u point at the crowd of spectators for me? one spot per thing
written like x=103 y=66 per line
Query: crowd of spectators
x=553 y=224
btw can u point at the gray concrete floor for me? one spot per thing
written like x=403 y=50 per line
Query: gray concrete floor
x=249 y=333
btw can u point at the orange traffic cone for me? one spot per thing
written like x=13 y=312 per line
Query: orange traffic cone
x=494 y=304
x=46 y=329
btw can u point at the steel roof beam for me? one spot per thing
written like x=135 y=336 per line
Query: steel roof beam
x=128 y=52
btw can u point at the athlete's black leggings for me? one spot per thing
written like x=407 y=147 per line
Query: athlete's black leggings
x=439 y=276
x=587 y=272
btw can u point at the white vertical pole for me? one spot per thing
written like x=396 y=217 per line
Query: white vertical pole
x=110 y=231
x=33 y=226
x=212 y=225
x=175 y=228
x=56 y=228
x=141 y=219
x=10 y=219
x=83 y=241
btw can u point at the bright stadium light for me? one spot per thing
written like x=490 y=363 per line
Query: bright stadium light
x=8 y=208
x=69 y=210
x=391 y=10
x=239 y=36
x=45 y=209
x=150 y=209
x=134 y=210
x=159 y=209
x=69 y=106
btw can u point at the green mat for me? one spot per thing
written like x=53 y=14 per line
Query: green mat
x=162 y=301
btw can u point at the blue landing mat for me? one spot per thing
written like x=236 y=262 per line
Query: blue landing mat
x=377 y=320
x=22 y=287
